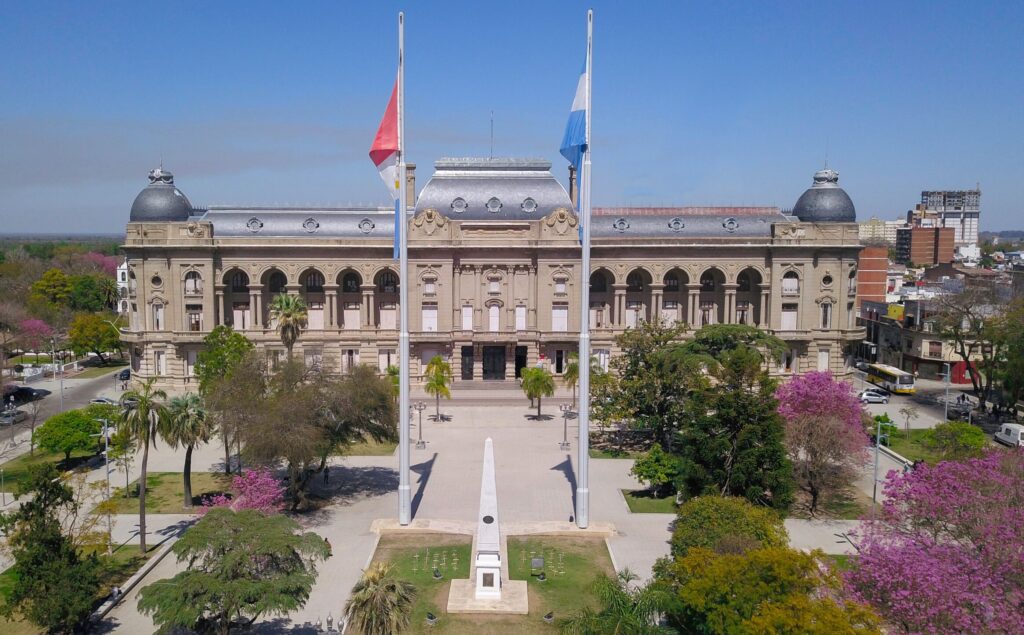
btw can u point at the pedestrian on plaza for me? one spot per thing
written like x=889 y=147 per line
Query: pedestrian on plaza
x=329 y=551
x=327 y=474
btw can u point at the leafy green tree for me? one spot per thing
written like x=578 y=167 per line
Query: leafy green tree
x=92 y=332
x=380 y=604
x=68 y=431
x=54 y=287
x=537 y=383
x=87 y=293
x=236 y=400
x=52 y=585
x=224 y=348
x=624 y=610
x=437 y=379
x=144 y=417
x=571 y=374
x=711 y=341
x=956 y=440
x=725 y=524
x=731 y=437
x=122 y=453
x=187 y=426
x=240 y=566
x=771 y=590
x=1010 y=331
x=658 y=469
x=291 y=314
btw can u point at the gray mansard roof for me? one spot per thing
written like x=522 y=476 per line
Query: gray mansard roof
x=684 y=222
x=267 y=222
x=493 y=189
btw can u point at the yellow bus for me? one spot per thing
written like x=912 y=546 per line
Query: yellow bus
x=891 y=378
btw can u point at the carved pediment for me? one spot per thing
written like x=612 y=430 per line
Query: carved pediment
x=561 y=221
x=429 y=221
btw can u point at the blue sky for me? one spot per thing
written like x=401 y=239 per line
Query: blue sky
x=713 y=103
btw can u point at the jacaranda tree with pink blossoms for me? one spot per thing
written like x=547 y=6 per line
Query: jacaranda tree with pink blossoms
x=255 y=489
x=825 y=438
x=35 y=334
x=946 y=555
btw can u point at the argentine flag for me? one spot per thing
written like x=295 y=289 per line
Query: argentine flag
x=574 y=142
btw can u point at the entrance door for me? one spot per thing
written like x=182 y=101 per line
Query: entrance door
x=494 y=362
x=520 y=360
x=467 y=363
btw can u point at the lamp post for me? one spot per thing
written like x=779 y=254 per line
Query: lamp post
x=420 y=407
x=947 y=392
x=874 y=485
x=106 y=466
x=53 y=359
x=566 y=408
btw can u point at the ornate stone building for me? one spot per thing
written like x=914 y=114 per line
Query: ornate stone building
x=494 y=268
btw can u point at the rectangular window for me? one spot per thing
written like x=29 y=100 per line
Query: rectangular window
x=313 y=357
x=596 y=315
x=349 y=359
x=190 y=363
x=429 y=287
x=158 y=317
x=194 y=317
x=823 y=360
x=315 y=316
x=240 y=316
x=560 y=359
x=707 y=313
x=851 y=319
x=467 y=317
x=790 y=286
x=351 y=316
x=560 y=287
x=788 y=364
x=670 y=311
x=159 y=363
x=494 y=318
x=388 y=316
x=520 y=317
x=789 y=313
x=633 y=309
x=430 y=317
x=135 y=317
x=603 y=356
x=743 y=312
x=934 y=349
x=826 y=315
x=386 y=357
x=560 y=318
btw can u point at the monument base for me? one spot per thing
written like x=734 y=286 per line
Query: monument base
x=462 y=598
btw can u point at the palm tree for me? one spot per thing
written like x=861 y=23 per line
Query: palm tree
x=187 y=425
x=144 y=416
x=291 y=314
x=380 y=604
x=537 y=383
x=624 y=611
x=571 y=376
x=438 y=376
x=110 y=293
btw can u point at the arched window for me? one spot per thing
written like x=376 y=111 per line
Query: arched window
x=350 y=282
x=743 y=281
x=193 y=283
x=790 y=283
x=239 y=282
x=314 y=282
x=826 y=315
x=387 y=282
x=671 y=282
x=278 y=282
x=707 y=281
x=598 y=283
x=634 y=282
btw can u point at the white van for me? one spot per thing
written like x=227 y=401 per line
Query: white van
x=1011 y=434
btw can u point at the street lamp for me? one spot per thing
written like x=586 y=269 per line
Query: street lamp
x=420 y=406
x=874 y=485
x=106 y=458
x=53 y=360
x=566 y=408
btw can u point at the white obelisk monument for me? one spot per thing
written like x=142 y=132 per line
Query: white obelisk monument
x=488 y=537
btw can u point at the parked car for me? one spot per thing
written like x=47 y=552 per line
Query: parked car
x=1011 y=434
x=124 y=375
x=861 y=365
x=24 y=394
x=10 y=417
x=104 y=400
x=873 y=396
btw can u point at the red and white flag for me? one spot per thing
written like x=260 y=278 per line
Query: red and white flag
x=385 y=148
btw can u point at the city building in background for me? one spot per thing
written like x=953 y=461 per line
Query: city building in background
x=872 y=274
x=876 y=230
x=923 y=246
x=959 y=210
x=494 y=272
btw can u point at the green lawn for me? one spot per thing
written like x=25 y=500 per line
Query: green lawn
x=912 y=448
x=99 y=371
x=16 y=469
x=115 y=571
x=850 y=504
x=28 y=359
x=371 y=448
x=164 y=492
x=571 y=566
x=614 y=454
x=642 y=501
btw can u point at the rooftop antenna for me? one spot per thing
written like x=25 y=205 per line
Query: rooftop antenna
x=492 y=133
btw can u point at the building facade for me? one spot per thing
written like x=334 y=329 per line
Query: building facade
x=494 y=272
x=959 y=210
x=923 y=246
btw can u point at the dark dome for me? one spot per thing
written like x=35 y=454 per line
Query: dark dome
x=161 y=200
x=825 y=201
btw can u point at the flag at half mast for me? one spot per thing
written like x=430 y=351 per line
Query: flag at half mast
x=385 y=153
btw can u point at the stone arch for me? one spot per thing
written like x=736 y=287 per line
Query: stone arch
x=349 y=280
x=386 y=280
x=274 y=280
x=675 y=301
x=312 y=280
x=751 y=296
x=601 y=297
x=711 y=299
x=638 y=300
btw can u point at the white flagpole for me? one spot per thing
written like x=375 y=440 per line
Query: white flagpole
x=404 y=490
x=583 y=478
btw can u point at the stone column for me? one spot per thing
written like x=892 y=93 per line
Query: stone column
x=365 y=316
x=693 y=302
x=620 y=305
x=478 y=361
x=255 y=310
x=657 y=293
x=730 y=303
x=533 y=298
x=763 y=317
x=478 y=308
x=331 y=300
x=457 y=300
x=221 y=317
